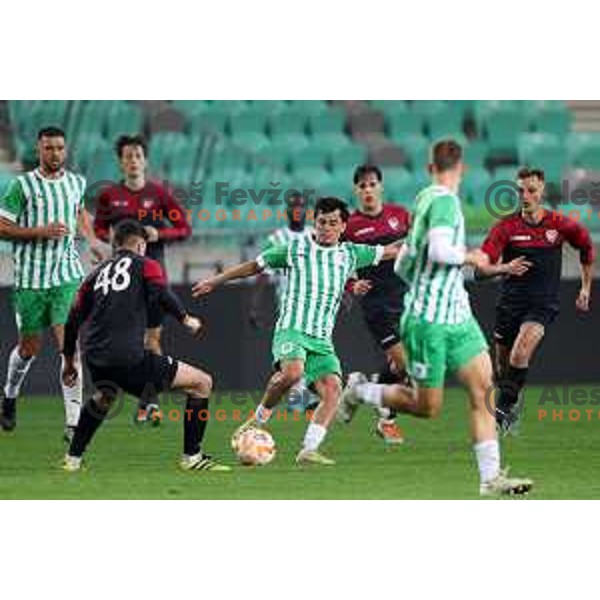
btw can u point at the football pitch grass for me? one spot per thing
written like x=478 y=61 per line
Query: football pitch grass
x=126 y=461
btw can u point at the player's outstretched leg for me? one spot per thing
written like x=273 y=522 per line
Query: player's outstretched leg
x=289 y=374
x=92 y=416
x=19 y=362
x=476 y=376
x=198 y=386
x=329 y=389
x=148 y=410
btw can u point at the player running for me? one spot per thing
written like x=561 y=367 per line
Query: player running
x=295 y=229
x=115 y=298
x=529 y=247
x=154 y=206
x=380 y=290
x=438 y=328
x=41 y=213
x=302 y=345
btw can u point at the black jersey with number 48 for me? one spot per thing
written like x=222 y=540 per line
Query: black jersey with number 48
x=114 y=298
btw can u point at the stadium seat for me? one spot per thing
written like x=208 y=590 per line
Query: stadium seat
x=288 y=122
x=427 y=108
x=389 y=107
x=123 y=119
x=399 y=124
x=446 y=121
x=267 y=107
x=416 y=148
x=475 y=153
x=252 y=120
x=503 y=127
x=399 y=185
x=553 y=121
x=252 y=141
x=309 y=156
x=348 y=156
x=315 y=178
x=309 y=107
x=87 y=147
x=546 y=151
x=332 y=121
x=216 y=119
x=281 y=149
x=475 y=185
x=332 y=142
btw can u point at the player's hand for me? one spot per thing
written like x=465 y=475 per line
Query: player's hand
x=53 y=231
x=583 y=301
x=201 y=288
x=518 y=266
x=362 y=287
x=193 y=324
x=97 y=252
x=69 y=372
x=152 y=233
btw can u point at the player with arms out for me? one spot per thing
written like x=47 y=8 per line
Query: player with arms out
x=438 y=327
x=136 y=197
x=526 y=248
x=379 y=289
x=295 y=229
x=41 y=213
x=302 y=346
x=114 y=300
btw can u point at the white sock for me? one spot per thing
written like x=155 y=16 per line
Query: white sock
x=72 y=396
x=371 y=393
x=17 y=369
x=263 y=414
x=488 y=459
x=384 y=413
x=314 y=436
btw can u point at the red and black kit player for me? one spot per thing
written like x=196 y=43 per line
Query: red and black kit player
x=526 y=248
x=380 y=290
x=153 y=205
x=113 y=300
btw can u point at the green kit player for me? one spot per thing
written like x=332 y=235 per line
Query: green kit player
x=41 y=214
x=302 y=347
x=438 y=326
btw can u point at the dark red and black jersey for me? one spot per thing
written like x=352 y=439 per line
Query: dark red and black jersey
x=152 y=205
x=541 y=244
x=114 y=300
x=389 y=226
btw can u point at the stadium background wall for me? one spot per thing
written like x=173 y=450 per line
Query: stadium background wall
x=239 y=355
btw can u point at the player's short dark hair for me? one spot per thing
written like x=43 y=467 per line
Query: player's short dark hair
x=445 y=155
x=525 y=172
x=51 y=131
x=126 y=229
x=329 y=204
x=363 y=170
x=130 y=140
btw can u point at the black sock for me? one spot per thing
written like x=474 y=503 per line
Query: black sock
x=510 y=387
x=194 y=427
x=90 y=419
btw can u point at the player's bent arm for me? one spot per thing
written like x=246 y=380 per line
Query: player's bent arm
x=241 y=271
x=86 y=229
x=11 y=231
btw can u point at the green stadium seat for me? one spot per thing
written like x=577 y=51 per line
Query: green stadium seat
x=427 y=108
x=557 y=122
x=475 y=185
x=503 y=128
x=399 y=185
x=505 y=173
x=348 y=156
x=329 y=122
x=544 y=150
x=288 y=122
x=248 y=121
x=309 y=156
x=191 y=108
x=308 y=107
x=482 y=108
x=164 y=145
x=252 y=141
x=268 y=107
x=315 y=178
x=282 y=149
x=332 y=142
x=416 y=148
x=123 y=119
x=389 y=107
x=447 y=121
x=584 y=150
x=475 y=153
x=216 y=119
x=229 y=160
x=403 y=123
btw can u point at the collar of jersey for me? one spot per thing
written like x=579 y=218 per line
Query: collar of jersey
x=39 y=174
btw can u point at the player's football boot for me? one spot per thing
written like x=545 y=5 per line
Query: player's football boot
x=202 y=462
x=312 y=457
x=349 y=400
x=8 y=414
x=503 y=485
x=72 y=464
x=389 y=431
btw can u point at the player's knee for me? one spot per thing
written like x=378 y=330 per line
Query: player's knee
x=519 y=357
x=430 y=410
x=331 y=389
x=29 y=348
x=292 y=374
x=205 y=384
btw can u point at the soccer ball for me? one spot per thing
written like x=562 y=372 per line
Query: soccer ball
x=255 y=447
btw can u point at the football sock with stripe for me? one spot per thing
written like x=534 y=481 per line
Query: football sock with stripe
x=195 y=421
x=17 y=370
x=92 y=416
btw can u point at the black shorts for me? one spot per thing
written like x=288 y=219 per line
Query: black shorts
x=148 y=378
x=156 y=316
x=384 y=325
x=509 y=320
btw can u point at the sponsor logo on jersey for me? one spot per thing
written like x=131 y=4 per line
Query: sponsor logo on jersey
x=520 y=238
x=551 y=235
x=394 y=223
x=364 y=230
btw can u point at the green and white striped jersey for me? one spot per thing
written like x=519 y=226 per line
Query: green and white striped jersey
x=282 y=236
x=436 y=292
x=317 y=276
x=33 y=200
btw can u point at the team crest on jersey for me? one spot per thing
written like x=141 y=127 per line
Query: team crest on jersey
x=148 y=203
x=551 y=235
x=394 y=223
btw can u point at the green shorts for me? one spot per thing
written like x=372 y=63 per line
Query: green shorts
x=318 y=355
x=37 y=310
x=432 y=349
